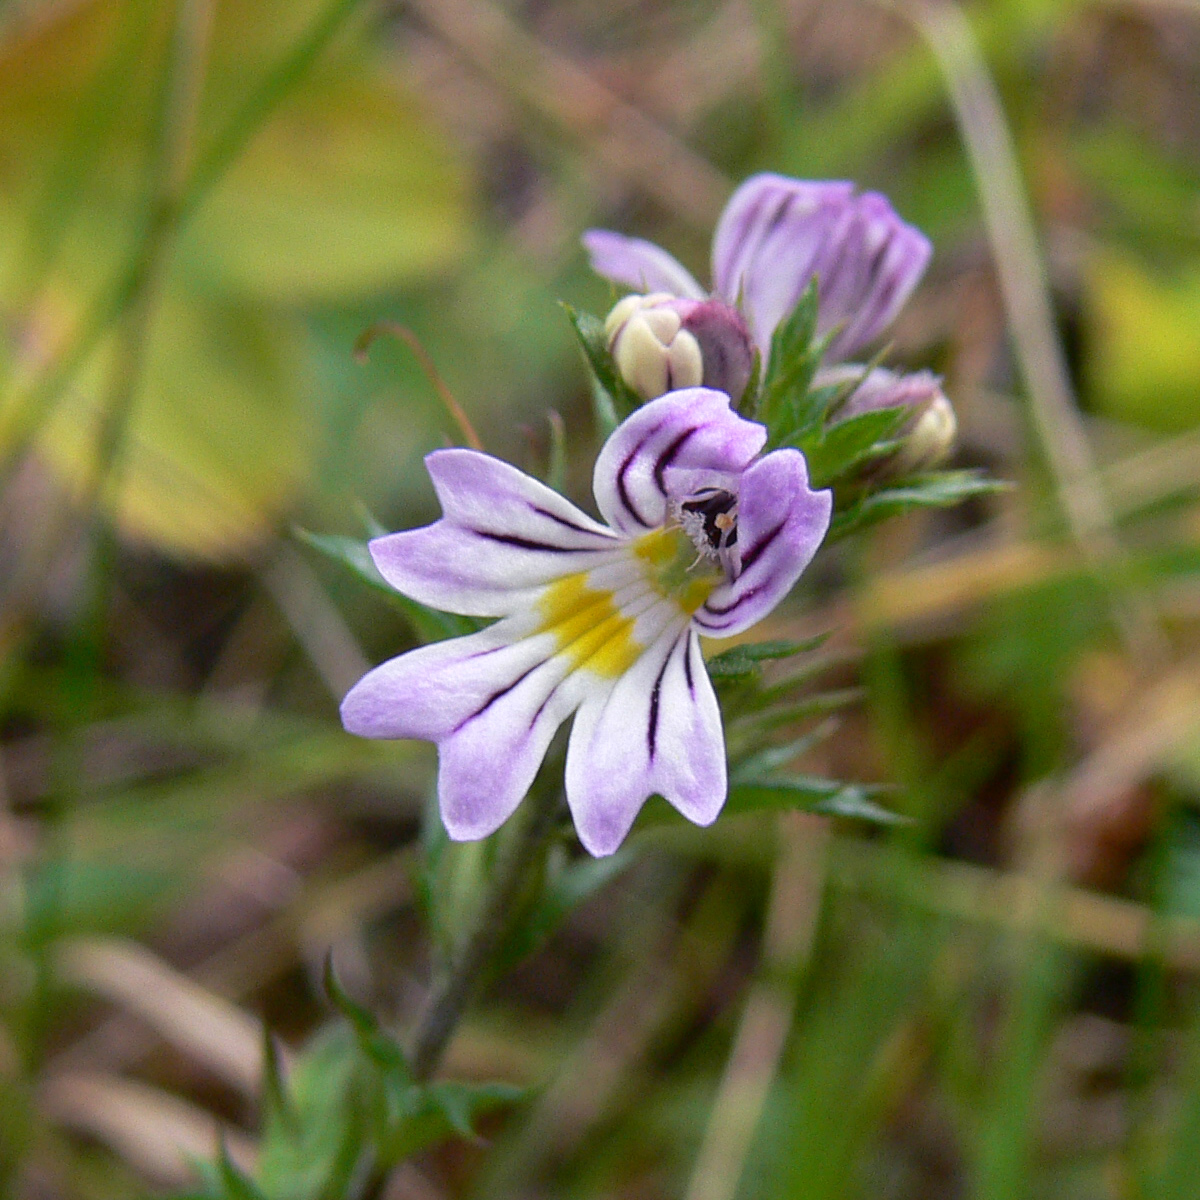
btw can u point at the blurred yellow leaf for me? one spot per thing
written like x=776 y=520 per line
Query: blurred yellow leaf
x=1143 y=358
x=218 y=439
x=345 y=192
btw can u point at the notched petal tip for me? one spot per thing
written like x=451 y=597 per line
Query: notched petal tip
x=664 y=442
x=781 y=524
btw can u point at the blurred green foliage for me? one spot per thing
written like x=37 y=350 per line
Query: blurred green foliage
x=943 y=944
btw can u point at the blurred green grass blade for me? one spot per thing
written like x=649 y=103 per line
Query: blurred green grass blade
x=845 y=1065
x=1178 y=1179
x=429 y=624
x=1003 y=1158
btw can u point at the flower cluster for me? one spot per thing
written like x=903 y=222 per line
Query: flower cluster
x=702 y=537
x=702 y=534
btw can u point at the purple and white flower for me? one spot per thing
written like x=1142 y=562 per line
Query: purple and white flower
x=775 y=236
x=702 y=536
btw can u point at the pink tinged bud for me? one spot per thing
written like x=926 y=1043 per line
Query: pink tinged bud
x=928 y=435
x=661 y=343
x=725 y=344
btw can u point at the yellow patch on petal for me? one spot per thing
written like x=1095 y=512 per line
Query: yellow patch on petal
x=674 y=571
x=591 y=631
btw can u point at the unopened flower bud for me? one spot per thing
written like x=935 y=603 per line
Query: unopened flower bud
x=662 y=342
x=927 y=435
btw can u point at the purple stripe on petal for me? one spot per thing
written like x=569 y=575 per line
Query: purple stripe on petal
x=768 y=241
x=487 y=765
x=503 y=536
x=776 y=234
x=428 y=692
x=656 y=730
x=660 y=450
x=639 y=265
x=781 y=522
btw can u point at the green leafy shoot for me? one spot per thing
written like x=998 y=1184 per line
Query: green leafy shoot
x=422 y=1116
x=811 y=794
x=378 y=1046
x=937 y=489
x=745 y=661
x=768 y=759
x=787 y=405
x=428 y=624
x=406 y=1115
x=839 y=448
x=613 y=399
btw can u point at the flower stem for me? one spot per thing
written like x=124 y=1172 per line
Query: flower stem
x=518 y=854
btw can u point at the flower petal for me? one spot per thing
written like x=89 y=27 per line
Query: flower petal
x=491 y=701
x=869 y=268
x=663 y=449
x=428 y=692
x=656 y=730
x=767 y=243
x=503 y=536
x=488 y=764
x=777 y=233
x=781 y=522
x=639 y=264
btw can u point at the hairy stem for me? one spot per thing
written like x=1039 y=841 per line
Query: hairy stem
x=452 y=991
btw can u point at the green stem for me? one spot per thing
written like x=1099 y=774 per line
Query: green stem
x=518 y=856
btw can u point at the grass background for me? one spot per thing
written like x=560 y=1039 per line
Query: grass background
x=202 y=206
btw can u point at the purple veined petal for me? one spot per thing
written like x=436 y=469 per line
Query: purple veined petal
x=639 y=265
x=487 y=765
x=503 y=536
x=663 y=448
x=491 y=701
x=867 y=272
x=767 y=244
x=657 y=729
x=428 y=692
x=781 y=522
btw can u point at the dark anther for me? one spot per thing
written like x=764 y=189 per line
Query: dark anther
x=712 y=504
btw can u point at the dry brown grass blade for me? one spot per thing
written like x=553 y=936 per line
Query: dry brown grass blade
x=158 y=1134
x=216 y=1033
x=1073 y=917
x=1103 y=795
